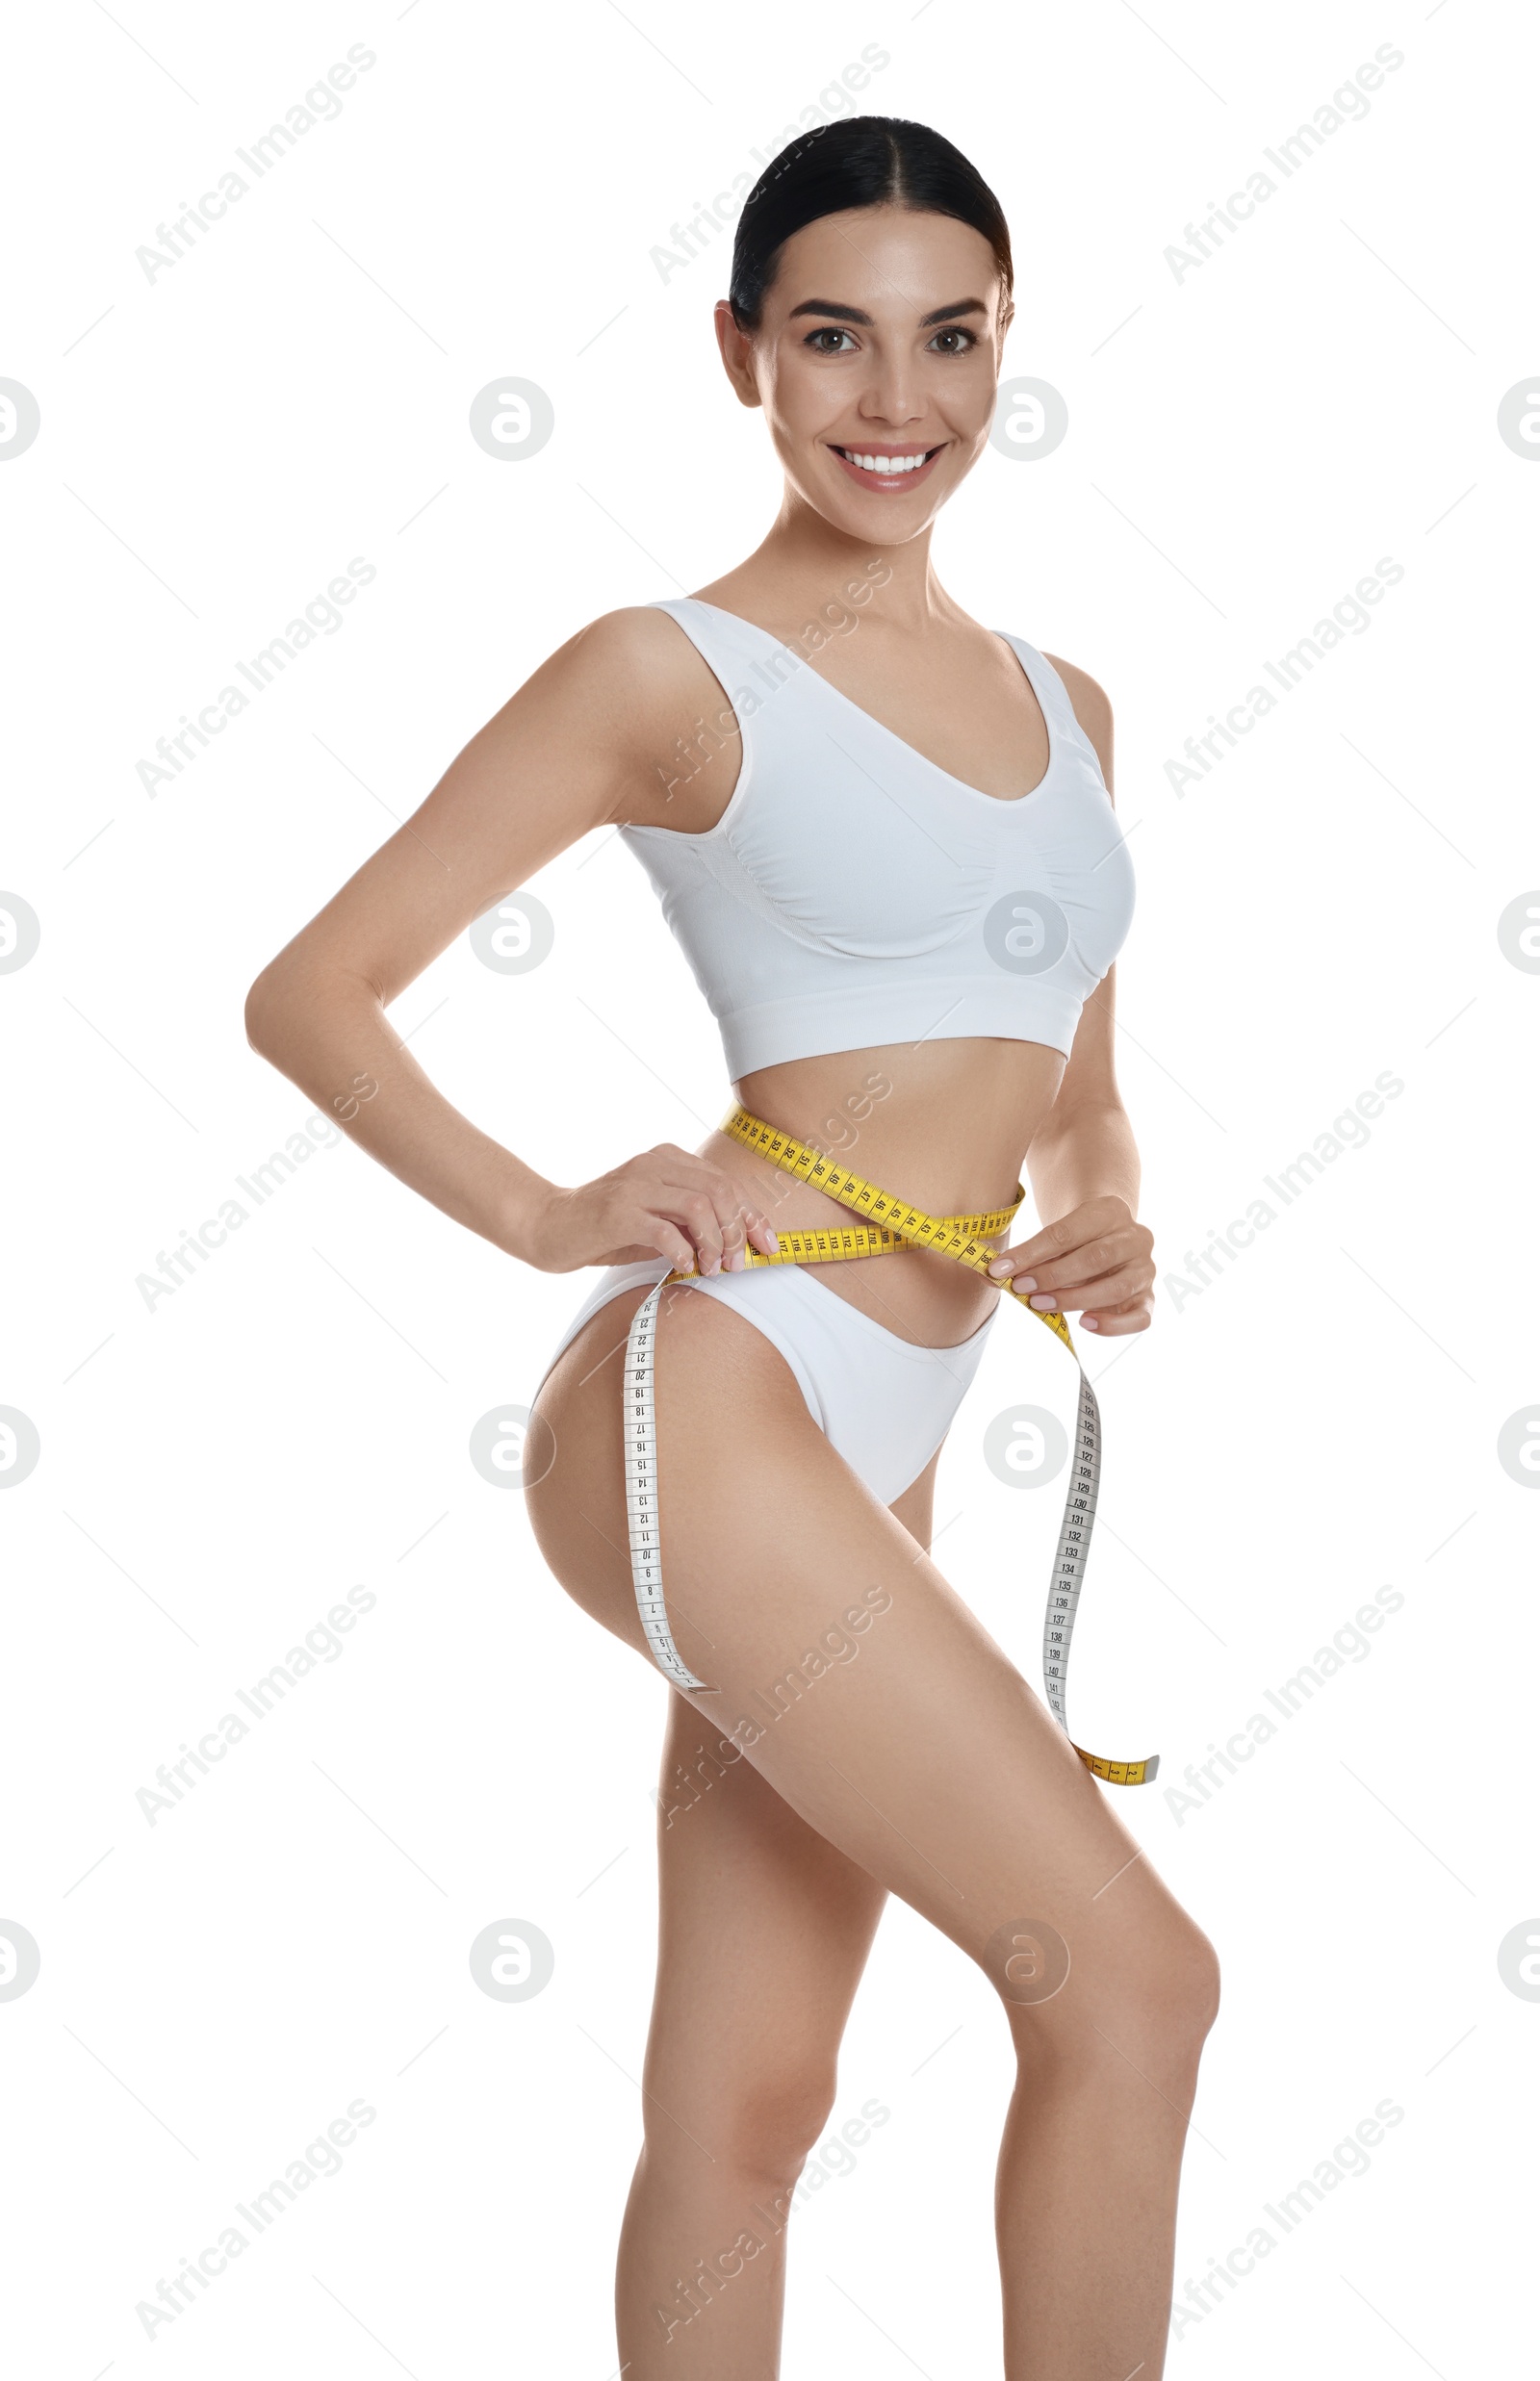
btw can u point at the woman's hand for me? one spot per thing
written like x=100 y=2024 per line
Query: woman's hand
x=1096 y=1259
x=665 y=1203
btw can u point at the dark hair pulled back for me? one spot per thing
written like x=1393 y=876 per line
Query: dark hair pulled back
x=859 y=160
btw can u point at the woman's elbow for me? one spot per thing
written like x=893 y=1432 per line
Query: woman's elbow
x=265 y=1012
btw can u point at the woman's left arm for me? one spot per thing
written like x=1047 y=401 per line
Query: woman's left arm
x=1092 y=1255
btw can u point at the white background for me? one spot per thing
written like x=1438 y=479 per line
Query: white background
x=1245 y=443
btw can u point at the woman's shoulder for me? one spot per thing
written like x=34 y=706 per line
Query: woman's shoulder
x=1091 y=707
x=631 y=641
x=1091 y=701
x=630 y=664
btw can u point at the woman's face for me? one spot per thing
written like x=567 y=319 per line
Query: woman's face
x=876 y=361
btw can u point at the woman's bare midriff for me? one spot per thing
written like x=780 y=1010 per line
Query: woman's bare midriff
x=945 y=1124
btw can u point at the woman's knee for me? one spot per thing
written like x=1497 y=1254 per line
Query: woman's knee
x=1146 y=1990
x=764 y=2122
x=1161 y=1983
x=1178 y=1992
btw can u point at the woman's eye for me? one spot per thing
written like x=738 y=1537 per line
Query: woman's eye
x=955 y=331
x=816 y=341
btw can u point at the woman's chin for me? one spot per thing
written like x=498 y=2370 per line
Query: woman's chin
x=867 y=519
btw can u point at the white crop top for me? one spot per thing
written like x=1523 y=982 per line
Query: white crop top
x=854 y=893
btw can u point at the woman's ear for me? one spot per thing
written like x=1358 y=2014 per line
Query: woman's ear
x=738 y=353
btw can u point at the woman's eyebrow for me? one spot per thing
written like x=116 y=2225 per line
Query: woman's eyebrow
x=853 y=314
x=823 y=305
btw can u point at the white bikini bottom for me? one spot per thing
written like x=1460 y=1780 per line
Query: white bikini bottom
x=883 y=1403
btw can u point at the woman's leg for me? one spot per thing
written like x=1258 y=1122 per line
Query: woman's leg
x=863 y=1690
x=765 y=1928
x=764 y=1932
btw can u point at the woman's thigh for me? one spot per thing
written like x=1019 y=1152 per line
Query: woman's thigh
x=765 y=1928
x=849 y=1673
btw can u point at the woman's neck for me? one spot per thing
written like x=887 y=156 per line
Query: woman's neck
x=805 y=563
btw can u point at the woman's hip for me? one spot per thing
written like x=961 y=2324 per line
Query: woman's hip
x=883 y=1401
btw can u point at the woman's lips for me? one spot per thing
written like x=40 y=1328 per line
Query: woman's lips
x=901 y=470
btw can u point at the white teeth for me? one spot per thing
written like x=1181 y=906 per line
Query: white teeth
x=884 y=463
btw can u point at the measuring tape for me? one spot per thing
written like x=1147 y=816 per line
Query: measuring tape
x=894 y=1224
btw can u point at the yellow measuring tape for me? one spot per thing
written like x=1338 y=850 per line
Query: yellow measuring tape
x=891 y=1224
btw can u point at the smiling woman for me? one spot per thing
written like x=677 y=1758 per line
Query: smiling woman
x=878 y=162
x=894 y=867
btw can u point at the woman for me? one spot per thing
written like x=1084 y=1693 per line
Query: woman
x=883 y=835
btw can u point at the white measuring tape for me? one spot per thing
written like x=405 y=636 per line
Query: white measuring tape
x=900 y=1225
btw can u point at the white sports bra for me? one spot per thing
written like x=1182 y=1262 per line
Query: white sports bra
x=854 y=893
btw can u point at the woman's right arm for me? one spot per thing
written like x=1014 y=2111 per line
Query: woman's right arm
x=577 y=748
